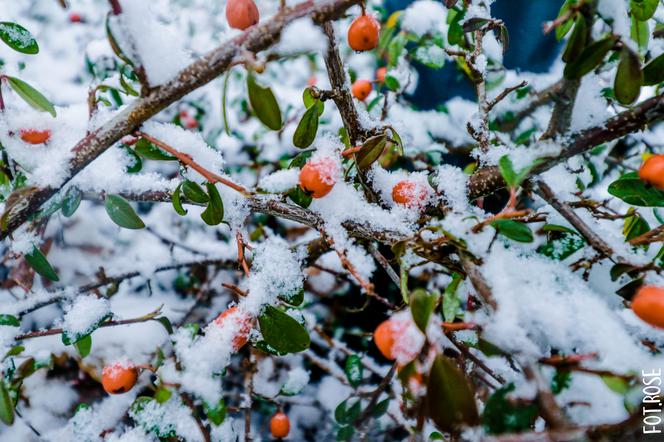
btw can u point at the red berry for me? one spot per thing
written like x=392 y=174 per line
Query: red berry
x=652 y=171
x=361 y=89
x=241 y=14
x=75 y=17
x=409 y=193
x=279 y=425
x=648 y=304
x=242 y=322
x=363 y=33
x=380 y=74
x=190 y=123
x=119 y=378
x=34 y=136
x=318 y=177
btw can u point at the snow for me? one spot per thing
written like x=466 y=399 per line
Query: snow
x=425 y=17
x=590 y=108
x=280 y=181
x=301 y=36
x=150 y=41
x=84 y=313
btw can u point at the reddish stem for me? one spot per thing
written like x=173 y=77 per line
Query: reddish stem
x=211 y=177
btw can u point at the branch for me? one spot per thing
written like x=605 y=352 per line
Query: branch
x=197 y=74
x=341 y=94
x=568 y=213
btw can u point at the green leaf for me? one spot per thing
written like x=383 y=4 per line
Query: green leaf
x=395 y=48
x=282 y=332
x=562 y=246
x=267 y=348
x=309 y=101
x=121 y=213
x=561 y=380
x=643 y=9
x=347 y=415
x=455 y=31
x=620 y=269
x=422 y=304
x=502 y=415
x=136 y=162
x=216 y=414
x=450 y=399
x=71 y=201
x=380 y=408
x=653 y=72
x=507 y=171
x=345 y=433
x=391 y=83
x=629 y=77
x=176 y=201
x=214 y=213
x=577 y=40
x=148 y=150
x=40 y=264
x=300 y=197
x=397 y=139
x=194 y=192
x=306 y=130
x=9 y=320
x=84 y=345
x=296 y=298
x=163 y=320
x=474 y=24
x=371 y=150
x=263 y=103
x=18 y=38
x=513 y=230
x=563 y=28
x=31 y=95
x=163 y=395
x=616 y=384
x=632 y=190
x=640 y=33
x=590 y=58
x=451 y=301
x=634 y=226
x=354 y=370
x=14 y=351
x=6 y=405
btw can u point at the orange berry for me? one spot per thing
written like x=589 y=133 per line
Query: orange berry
x=652 y=171
x=318 y=177
x=380 y=74
x=363 y=33
x=241 y=14
x=409 y=193
x=242 y=322
x=279 y=425
x=34 y=136
x=190 y=123
x=384 y=338
x=648 y=304
x=361 y=89
x=118 y=378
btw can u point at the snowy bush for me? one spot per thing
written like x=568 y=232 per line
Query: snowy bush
x=230 y=221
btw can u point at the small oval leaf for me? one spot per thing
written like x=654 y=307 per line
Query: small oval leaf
x=371 y=151
x=214 y=213
x=513 y=230
x=18 y=38
x=653 y=72
x=264 y=103
x=627 y=85
x=31 y=95
x=577 y=41
x=450 y=399
x=194 y=192
x=307 y=128
x=283 y=333
x=590 y=58
x=121 y=213
x=40 y=264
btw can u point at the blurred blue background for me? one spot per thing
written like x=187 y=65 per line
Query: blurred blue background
x=529 y=49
